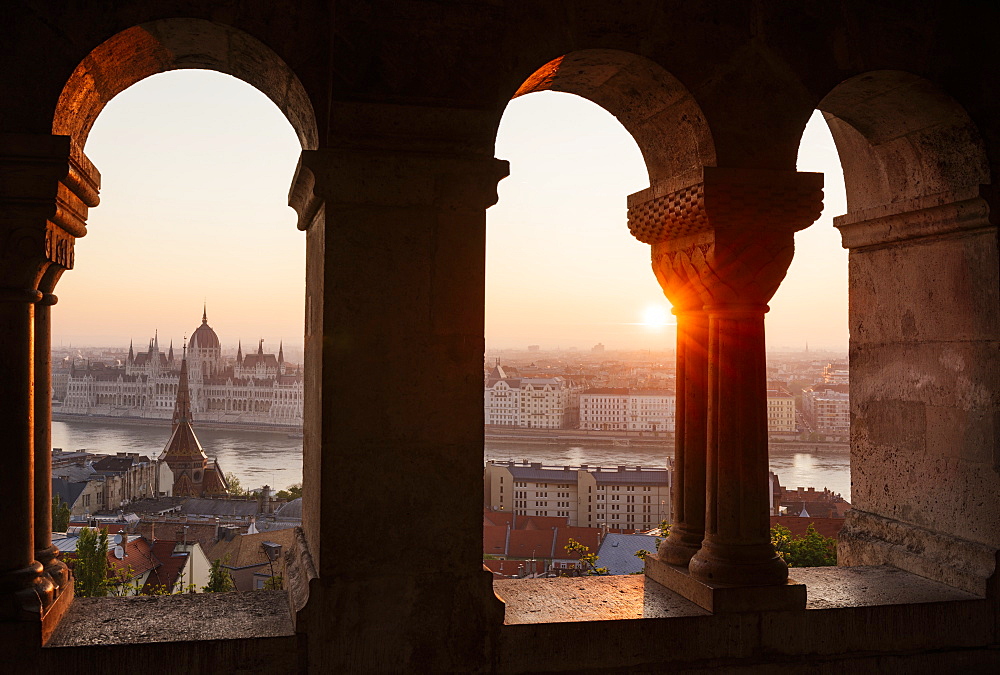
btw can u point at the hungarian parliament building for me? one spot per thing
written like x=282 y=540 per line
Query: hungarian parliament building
x=255 y=389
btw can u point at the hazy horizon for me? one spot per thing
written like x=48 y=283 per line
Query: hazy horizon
x=196 y=167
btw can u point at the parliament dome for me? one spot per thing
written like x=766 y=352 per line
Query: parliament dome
x=203 y=336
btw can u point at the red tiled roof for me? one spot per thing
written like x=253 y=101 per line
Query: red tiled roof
x=138 y=559
x=497 y=518
x=166 y=574
x=495 y=539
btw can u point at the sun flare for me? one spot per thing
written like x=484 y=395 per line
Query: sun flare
x=656 y=316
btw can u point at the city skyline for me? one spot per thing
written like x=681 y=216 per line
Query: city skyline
x=186 y=154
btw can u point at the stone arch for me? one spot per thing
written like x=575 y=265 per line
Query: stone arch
x=654 y=106
x=173 y=44
x=901 y=138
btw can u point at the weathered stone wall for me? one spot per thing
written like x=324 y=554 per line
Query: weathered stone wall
x=396 y=105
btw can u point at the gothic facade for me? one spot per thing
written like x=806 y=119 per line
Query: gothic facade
x=255 y=389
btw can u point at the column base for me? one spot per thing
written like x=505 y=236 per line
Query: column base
x=722 y=598
x=680 y=546
x=55 y=569
x=56 y=611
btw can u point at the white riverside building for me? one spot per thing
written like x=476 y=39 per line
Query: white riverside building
x=626 y=497
x=529 y=402
x=610 y=409
x=256 y=389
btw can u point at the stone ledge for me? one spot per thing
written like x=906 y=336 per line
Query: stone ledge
x=589 y=599
x=532 y=601
x=171 y=618
x=856 y=620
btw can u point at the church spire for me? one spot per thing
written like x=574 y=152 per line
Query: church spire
x=260 y=348
x=204 y=313
x=281 y=352
x=131 y=354
x=182 y=408
x=239 y=352
x=170 y=354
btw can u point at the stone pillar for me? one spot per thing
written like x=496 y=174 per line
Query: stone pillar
x=46 y=186
x=394 y=417
x=925 y=389
x=45 y=551
x=721 y=243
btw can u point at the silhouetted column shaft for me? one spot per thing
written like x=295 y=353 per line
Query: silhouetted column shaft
x=19 y=572
x=737 y=547
x=688 y=527
x=45 y=551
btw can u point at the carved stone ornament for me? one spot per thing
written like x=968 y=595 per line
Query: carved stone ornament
x=727 y=239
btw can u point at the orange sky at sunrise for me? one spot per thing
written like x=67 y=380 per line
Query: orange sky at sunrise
x=195 y=173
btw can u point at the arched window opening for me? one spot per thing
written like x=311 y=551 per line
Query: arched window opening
x=574 y=322
x=193 y=225
x=808 y=388
x=153 y=271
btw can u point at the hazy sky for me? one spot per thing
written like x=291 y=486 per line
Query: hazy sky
x=196 y=168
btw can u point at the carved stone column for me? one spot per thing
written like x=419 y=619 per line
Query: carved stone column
x=46 y=186
x=45 y=551
x=721 y=243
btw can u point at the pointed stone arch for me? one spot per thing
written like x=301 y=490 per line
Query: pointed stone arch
x=902 y=138
x=657 y=109
x=173 y=44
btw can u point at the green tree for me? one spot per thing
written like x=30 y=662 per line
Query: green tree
x=810 y=550
x=219 y=578
x=275 y=583
x=293 y=491
x=91 y=568
x=586 y=557
x=235 y=489
x=60 y=514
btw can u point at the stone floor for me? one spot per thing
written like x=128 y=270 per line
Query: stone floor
x=170 y=618
x=632 y=596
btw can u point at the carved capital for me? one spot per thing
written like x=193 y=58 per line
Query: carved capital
x=724 y=236
x=47 y=186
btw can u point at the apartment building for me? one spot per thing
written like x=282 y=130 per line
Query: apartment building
x=620 y=409
x=625 y=497
x=780 y=411
x=529 y=402
x=829 y=410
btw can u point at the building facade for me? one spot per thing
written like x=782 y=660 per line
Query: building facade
x=619 y=409
x=255 y=389
x=626 y=497
x=529 y=402
x=780 y=411
x=828 y=410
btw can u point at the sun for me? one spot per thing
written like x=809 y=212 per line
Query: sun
x=655 y=316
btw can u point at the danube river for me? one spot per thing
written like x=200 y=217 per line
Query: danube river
x=275 y=458
x=255 y=457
